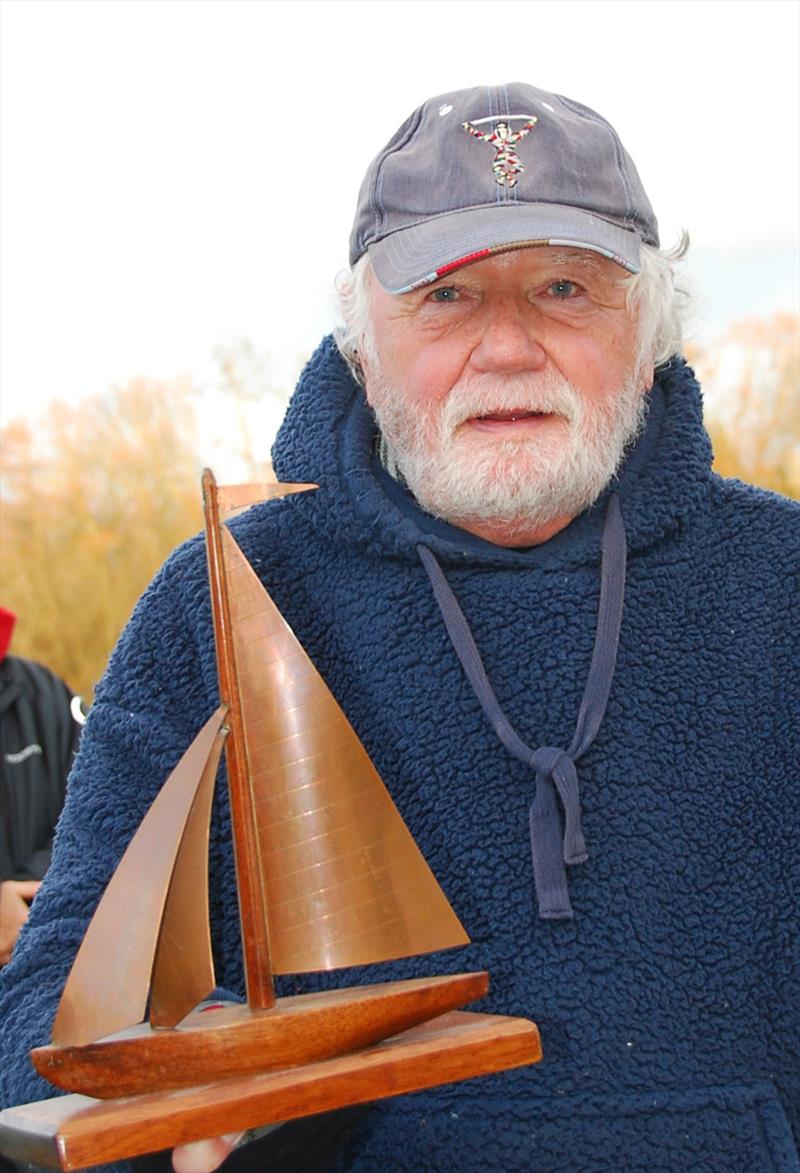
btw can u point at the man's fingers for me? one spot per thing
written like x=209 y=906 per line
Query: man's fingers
x=13 y=913
x=204 y=1155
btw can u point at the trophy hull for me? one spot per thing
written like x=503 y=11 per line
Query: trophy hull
x=231 y=1041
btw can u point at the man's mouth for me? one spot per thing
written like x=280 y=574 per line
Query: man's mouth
x=509 y=418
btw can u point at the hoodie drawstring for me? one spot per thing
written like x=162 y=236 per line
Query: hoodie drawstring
x=555 y=772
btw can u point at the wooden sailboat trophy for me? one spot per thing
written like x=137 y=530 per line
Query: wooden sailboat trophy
x=328 y=876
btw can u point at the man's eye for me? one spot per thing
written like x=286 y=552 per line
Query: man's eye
x=445 y=293
x=564 y=289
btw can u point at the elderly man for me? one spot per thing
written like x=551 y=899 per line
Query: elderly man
x=518 y=574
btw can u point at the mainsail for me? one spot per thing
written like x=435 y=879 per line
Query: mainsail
x=341 y=879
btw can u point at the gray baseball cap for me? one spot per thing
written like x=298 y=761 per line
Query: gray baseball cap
x=484 y=170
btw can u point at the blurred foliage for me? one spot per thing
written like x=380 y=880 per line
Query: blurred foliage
x=93 y=499
x=751 y=380
x=246 y=384
x=96 y=496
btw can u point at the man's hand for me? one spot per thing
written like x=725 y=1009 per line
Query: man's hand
x=205 y=1155
x=15 y=895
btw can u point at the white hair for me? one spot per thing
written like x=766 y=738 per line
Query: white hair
x=658 y=297
x=353 y=334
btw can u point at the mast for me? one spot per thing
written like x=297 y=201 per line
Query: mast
x=249 y=871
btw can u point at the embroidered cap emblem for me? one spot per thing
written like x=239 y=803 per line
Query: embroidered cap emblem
x=506 y=164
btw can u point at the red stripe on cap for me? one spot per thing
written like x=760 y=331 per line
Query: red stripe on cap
x=485 y=252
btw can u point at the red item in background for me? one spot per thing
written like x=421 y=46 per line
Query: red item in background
x=7 y=621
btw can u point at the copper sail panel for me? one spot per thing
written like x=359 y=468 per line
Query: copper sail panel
x=345 y=883
x=121 y=939
x=183 y=970
x=231 y=498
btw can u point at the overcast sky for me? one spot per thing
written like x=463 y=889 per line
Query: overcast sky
x=177 y=174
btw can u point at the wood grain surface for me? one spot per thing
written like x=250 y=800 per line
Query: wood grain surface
x=75 y=1132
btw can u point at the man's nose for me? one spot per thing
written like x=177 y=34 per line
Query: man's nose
x=509 y=340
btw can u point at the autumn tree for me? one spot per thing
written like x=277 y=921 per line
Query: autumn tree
x=254 y=398
x=246 y=383
x=752 y=382
x=93 y=500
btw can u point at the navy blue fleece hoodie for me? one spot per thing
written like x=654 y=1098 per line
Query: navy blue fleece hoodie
x=669 y=1004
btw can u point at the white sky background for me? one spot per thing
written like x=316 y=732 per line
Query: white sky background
x=178 y=174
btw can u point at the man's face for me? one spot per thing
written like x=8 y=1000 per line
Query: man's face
x=508 y=390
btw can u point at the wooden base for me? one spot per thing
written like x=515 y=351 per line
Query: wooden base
x=75 y=1132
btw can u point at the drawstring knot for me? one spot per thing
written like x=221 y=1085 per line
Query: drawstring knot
x=555 y=769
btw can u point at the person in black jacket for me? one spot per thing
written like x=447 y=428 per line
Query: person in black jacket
x=40 y=722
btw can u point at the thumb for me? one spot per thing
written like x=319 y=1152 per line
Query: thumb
x=205 y=1155
x=27 y=889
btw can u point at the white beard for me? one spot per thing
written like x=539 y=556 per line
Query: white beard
x=521 y=483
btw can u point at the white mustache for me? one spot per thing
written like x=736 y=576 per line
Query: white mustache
x=472 y=397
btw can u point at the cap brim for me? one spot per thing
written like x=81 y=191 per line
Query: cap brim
x=426 y=251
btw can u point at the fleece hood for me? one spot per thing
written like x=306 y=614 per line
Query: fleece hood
x=329 y=437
